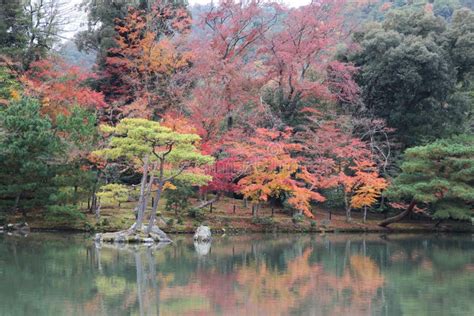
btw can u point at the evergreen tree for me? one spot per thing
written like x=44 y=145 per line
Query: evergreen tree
x=28 y=147
x=13 y=28
x=439 y=176
x=162 y=154
x=177 y=197
x=30 y=28
x=412 y=65
x=9 y=85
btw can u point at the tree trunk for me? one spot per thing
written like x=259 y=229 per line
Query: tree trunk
x=93 y=197
x=75 y=197
x=381 y=207
x=93 y=203
x=206 y=203
x=144 y=204
x=398 y=217
x=17 y=202
x=155 y=207
x=161 y=182
x=97 y=210
x=365 y=214
x=348 y=207
x=141 y=200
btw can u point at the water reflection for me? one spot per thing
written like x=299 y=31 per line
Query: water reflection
x=248 y=275
x=202 y=248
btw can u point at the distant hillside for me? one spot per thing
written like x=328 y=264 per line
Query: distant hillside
x=72 y=55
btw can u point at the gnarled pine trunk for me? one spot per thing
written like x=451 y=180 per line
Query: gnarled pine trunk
x=203 y=204
x=155 y=207
x=161 y=182
x=398 y=217
x=142 y=200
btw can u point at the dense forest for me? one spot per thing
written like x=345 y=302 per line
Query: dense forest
x=336 y=105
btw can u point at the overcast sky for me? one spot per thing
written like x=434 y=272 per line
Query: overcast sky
x=78 y=18
x=293 y=3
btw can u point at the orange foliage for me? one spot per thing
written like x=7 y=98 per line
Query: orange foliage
x=147 y=60
x=366 y=184
x=15 y=95
x=270 y=170
x=60 y=87
x=337 y=158
x=96 y=161
x=178 y=123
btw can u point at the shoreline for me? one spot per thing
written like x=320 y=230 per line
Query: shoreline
x=230 y=216
x=296 y=230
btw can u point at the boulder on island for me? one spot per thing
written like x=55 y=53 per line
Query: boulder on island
x=203 y=234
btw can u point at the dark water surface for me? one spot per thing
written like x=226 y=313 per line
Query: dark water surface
x=57 y=274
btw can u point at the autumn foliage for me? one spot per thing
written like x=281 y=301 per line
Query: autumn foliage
x=60 y=87
x=301 y=49
x=367 y=185
x=271 y=171
x=142 y=70
x=256 y=83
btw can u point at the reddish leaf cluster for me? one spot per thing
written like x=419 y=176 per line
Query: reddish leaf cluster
x=269 y=170
x=60 y=87
x=144 y=73
x=302 y=48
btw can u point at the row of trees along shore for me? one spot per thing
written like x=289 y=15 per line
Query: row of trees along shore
x=335 y=104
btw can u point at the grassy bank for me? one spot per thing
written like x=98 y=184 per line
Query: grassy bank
x=232 y=216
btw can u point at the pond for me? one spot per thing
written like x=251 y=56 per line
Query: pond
x=64 y=274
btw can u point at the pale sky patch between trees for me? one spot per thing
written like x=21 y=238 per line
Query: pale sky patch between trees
x=78 y=18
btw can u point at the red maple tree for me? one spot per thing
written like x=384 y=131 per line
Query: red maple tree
x=60 y=87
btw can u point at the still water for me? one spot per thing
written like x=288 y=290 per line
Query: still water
x=56 y=274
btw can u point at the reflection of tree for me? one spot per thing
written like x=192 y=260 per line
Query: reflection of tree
x=141 y=297
x=436 y=282
x=258 y=288
x=45 y=275
x=148 y=292
x=266 y=291
x=244 y=275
